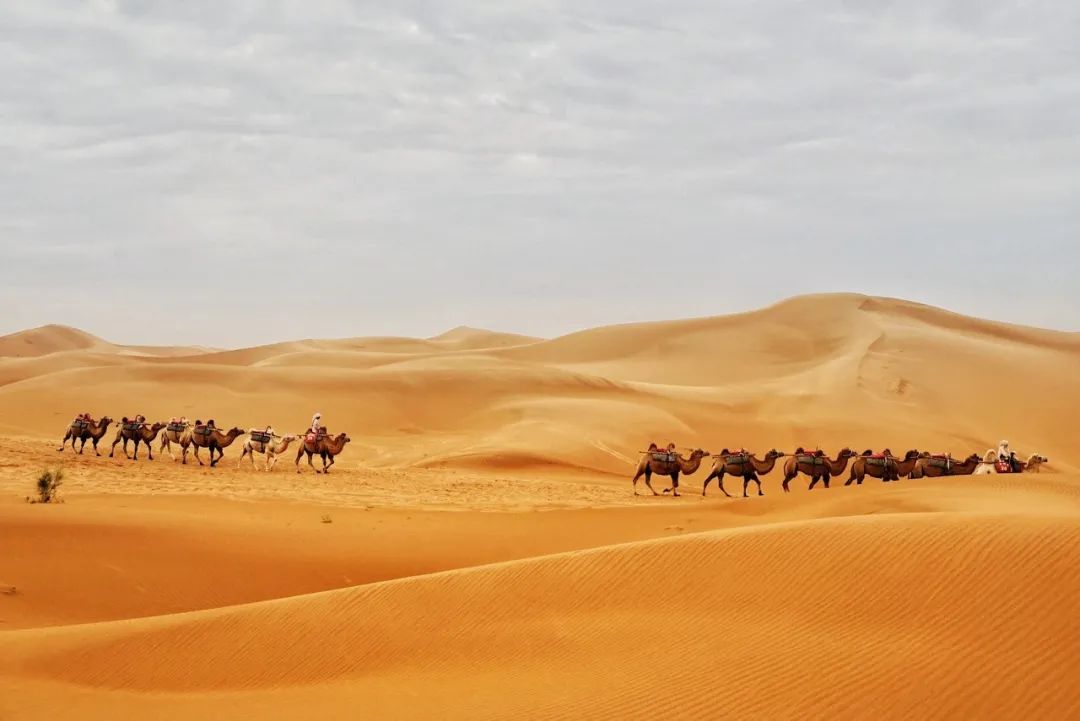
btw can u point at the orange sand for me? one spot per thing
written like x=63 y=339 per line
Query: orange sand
x=485 y=557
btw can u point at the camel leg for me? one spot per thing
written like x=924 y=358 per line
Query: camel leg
x=136 y=442
x=95 y=447
x=195 y=452
x=214 y=462
x=851 y=479
x=825 y=479
x=637 y=475
x=149 y=450
x=271 y=460
x=720 y=481
x=326 y=468
x=63 y=443
x=82 y=446
x=299 y=453
x=813 y=482
x=648 y=480
x=789 y=478
x=113 y=449
x=675 y=484
x=309 y=456
x=709 y=478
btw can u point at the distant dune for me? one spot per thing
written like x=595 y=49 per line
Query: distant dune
x=829 y=370
x=478 y=552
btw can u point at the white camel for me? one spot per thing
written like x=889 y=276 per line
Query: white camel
x=263 y=441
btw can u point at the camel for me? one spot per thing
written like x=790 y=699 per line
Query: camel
x=887 y=467
x=213 y=439
x=179 y=432
x=667 y=463
x=83 y=430
x=816 y=465
x=138 y=432
x=744 y=465
x=988 y=464
x=928 y=466
x=1034 y=463
x=263 y=441
x=324 y=446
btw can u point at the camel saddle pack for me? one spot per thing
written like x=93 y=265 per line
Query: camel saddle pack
x=132 y=426
x=940 y=462
x=879 y=459
x=1008 y=465
x=260 y=436
x=735 y=458
x=809 y=458
x=313 y=437
x=80 y=424
x=203 y=430
x=664 y=456
x=177 y=427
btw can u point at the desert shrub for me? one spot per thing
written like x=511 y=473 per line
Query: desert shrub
x=48 y=483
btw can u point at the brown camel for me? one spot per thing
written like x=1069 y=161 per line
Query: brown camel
x=816 y=465
x=213 y=439
x=928 y=466
x=84 y=430
x=1034 y=463
x=742 y=464
x=265 y=441
x=886 y=466
x=665 y=463
x=323 y=446
x=137 y=432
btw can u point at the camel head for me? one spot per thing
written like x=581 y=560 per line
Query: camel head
x=845 y=453
x=158 y=426
x=698 y=453
x=911 y=455
x=105 y=421
x=973 y=458
x=774 y=454
x=235 y=431
x=343 y=438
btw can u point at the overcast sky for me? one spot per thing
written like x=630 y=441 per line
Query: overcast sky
x=243 y=172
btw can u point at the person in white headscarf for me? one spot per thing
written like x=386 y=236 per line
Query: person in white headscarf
x=1003 y=450
x=316 y=422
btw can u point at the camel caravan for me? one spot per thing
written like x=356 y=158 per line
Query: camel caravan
x=185 y=435
x=820 y=468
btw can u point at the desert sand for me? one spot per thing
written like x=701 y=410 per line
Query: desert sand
x=477 y=551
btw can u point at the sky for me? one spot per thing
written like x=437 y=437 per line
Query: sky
x=236 y=173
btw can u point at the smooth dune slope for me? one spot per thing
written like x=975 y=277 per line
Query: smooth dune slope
x=810 y=618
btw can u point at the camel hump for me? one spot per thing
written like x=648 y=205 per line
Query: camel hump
x=725 y=452
x=653 y=447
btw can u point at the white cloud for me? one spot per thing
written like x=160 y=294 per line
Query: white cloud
x=421 y=165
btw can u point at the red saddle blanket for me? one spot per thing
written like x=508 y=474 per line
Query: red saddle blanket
x=312 y=437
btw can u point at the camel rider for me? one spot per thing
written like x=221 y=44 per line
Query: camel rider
x=1003 y=450
x=316 y=423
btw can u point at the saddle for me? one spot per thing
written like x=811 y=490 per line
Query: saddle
x=941 y=461
x=812 y=458
x=313 y=437
x=177 y=427
x=202 y=430
x=879 y=459
x=665 y=457
x=133 y=426
x=261 y=437
x=735 y=458
x=81 y=424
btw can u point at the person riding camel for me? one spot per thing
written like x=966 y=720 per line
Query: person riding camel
x=316 y=424
x=1008 y=458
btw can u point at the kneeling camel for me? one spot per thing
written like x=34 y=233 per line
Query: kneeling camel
x=887 y=467
x=928 y=466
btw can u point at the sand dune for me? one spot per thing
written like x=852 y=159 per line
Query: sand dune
x=792 y=619
x=478 y=552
